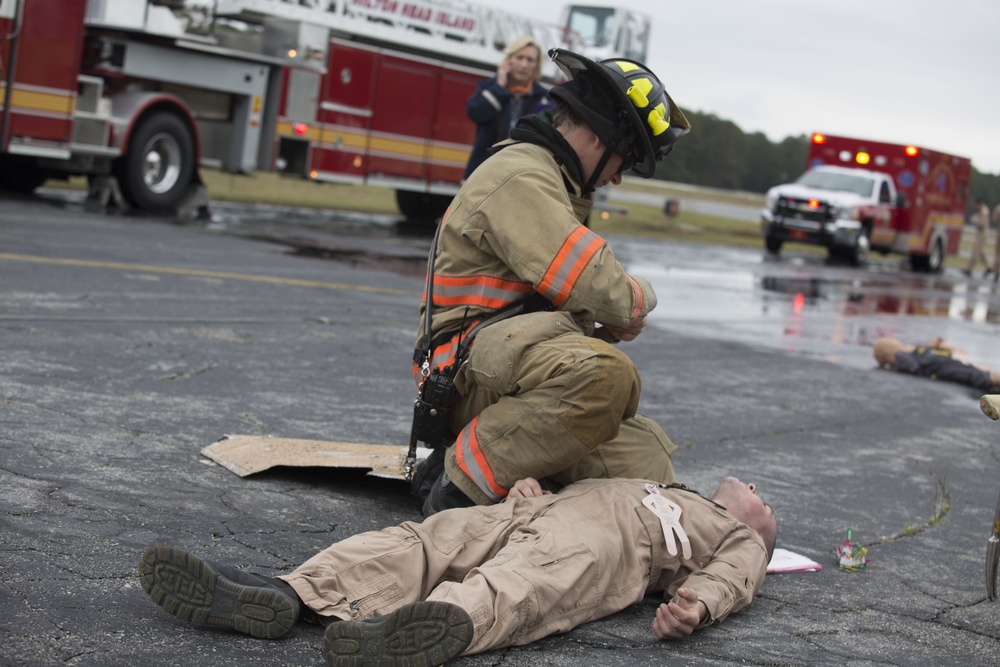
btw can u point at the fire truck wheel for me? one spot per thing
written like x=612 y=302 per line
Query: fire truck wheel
x=421 y=206
x=773 y=244
x=156 y=171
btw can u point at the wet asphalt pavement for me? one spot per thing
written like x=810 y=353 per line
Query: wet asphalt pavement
x=128 y=344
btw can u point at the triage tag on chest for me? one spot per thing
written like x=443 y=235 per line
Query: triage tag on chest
x=669 y=515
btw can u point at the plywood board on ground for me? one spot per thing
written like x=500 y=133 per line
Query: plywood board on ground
x=248 y=454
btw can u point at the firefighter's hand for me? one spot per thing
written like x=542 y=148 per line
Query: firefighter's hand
x=527 y=488
x=678 y=618
x=631 y=332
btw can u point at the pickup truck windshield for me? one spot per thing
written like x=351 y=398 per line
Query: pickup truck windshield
x=831 y=180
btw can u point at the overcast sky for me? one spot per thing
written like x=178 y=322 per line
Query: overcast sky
x=906 y=71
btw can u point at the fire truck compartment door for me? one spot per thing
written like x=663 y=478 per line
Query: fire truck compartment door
x=245 y=81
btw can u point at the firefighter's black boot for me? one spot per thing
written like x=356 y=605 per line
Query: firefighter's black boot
x=208 y=593
x=426 y=474
x=444 y=495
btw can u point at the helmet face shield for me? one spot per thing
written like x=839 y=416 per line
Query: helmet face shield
x=678 y=126
x=654 y=122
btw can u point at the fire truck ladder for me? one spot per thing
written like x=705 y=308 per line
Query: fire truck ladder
x=451 y=27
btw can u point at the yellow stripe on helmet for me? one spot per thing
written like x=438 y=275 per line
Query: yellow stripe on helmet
x=626 y=66
x=657 y=121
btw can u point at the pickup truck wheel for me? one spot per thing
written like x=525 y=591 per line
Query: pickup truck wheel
x=858 y=254
x=773 y=245
x=157 y=170
x=935 y=260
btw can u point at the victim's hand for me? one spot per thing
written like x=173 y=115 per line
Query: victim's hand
x=527 y=488
x=677 y=620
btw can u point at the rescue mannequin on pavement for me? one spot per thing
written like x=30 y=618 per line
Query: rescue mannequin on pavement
x=499 y=101
x=937 y=361
x=481 y=578
x=547 y=393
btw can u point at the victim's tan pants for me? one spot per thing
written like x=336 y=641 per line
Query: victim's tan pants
x=523 y=569
x=541 y=399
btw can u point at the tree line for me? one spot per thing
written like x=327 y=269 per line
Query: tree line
x=718 y=154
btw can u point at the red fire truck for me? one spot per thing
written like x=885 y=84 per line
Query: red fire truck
x=136 y=94
x=859 y=195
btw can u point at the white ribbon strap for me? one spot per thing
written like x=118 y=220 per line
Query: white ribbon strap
x=669 y=515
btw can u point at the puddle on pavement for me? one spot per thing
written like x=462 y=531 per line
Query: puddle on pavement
x=799 y=304
x=808 y=307
x=411 y=265
x=803 y=306
x=361 y=240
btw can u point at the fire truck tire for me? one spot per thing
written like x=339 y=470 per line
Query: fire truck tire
x=773 y=245
x=422 y=206
x=156 y=172
x=21 y=175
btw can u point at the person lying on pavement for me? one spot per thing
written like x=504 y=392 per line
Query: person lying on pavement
x=468 y=580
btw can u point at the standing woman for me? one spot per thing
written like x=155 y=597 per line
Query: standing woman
x=499 y=101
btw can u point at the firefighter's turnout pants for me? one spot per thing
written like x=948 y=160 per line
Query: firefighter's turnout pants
x=539 y=398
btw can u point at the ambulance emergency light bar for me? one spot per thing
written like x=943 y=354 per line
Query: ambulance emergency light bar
x=862 y=156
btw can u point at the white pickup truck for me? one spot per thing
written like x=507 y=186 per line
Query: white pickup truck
x=835 y=207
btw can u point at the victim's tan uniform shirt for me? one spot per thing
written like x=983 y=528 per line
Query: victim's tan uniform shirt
x=529 y=568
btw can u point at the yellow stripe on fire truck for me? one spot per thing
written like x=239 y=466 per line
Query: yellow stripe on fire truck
x=398 y=146
x=34 y=99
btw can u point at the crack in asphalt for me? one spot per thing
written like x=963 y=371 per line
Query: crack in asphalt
x=185 y=374
x=942 y=506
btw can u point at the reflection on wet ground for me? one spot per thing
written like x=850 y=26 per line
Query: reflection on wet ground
x=801 y=304
x=384 y=242
x=808 y=306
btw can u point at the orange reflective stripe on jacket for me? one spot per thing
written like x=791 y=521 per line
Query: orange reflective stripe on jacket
x=638 y=299
x=471 y=460
x=444 y=354
x=477 y=291
x=574 y=255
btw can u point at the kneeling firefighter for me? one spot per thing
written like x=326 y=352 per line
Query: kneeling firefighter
x=517 y=362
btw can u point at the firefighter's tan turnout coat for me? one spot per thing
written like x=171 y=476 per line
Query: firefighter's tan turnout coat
x=540 y=396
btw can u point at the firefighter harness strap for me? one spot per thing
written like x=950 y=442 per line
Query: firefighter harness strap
x=421 y=355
